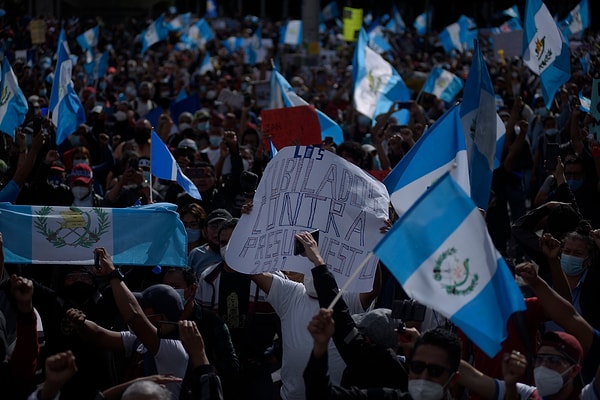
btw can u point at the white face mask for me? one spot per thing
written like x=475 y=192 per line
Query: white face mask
x=183 y=126
x=79 y=192
x=422 y=389
x=548 y=381
x=80 y=161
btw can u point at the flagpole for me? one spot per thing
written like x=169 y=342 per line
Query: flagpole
x=151 y=176
x=350 y=280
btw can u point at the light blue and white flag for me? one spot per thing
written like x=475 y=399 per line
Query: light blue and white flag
x=584 y=102
x=146 y=235
x=577 y=21
x=89 y=39
x=513 y=24
x=253 y=48
x=395 y=23
x=468 y=32
x=179 y=23
x=377 y=84
x=512 y=12
x=449 y=38
x=441 y=149
x=233 y=43
x=481 y=124
x=198 y=35
x=442 y=255
x=206 y=65
x=96 y=65
x=291 y=33
x=422 y=23
x=211 y=9
x=443 y=84
x=329 y=12
x=13 y=104
x=67 y=111
x=545 y=52
x=156 y=32
x=164 y=166
x=283 y=95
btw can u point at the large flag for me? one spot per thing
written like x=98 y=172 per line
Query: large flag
x=377 y=84
x=164 y=166
x=480 y=125
x=291 y=33
x=283 y=95
x=443 y=84
x=459 y=35
x=211 y=9
x=545 y=52
x=67 y=111
x=146 y=235
x=577 y=21
x=156 y=32
x=89 y=39
x=395 y=23
x=441 y=148
x=13 y=104
x=441 y=253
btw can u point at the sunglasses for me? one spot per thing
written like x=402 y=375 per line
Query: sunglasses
x=433 y=370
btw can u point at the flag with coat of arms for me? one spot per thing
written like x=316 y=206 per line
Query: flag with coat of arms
x=13 y=104
x=442 y=255
x=545 y=52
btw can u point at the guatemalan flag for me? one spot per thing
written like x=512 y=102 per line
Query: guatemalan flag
x=545 y=52
x=577 y=21
x=283 y=95
x=146 y=235
x=483 y=128
x=441 y=253
x=164 y=166
x=89 y=39
x=291 y=33
x=198 y=35
x=441 y=149
x=156 y=32
x=443 y=84
x=13 y=104
x=376 y=83
x=67 y=111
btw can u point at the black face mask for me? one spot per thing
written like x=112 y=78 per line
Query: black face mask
x=141 y=136
x=79 y=292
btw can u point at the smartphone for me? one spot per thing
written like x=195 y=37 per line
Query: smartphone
x=408 y=310
x=96 y=261
x=552 y=152
x=299 y=247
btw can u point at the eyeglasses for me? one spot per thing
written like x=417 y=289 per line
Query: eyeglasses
x=433 y=370
x=552 y=360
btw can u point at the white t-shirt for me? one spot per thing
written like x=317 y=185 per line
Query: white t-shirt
x=295 y=310
x=170 y=359
x=524 y=391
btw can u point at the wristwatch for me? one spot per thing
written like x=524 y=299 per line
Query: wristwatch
x=115 y=274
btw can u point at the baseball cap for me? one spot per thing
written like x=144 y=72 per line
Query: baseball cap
x=565 y=343
x=163 y=299
x=379 y=326
x=219 y=214
x=81 y=173
x=187 y=144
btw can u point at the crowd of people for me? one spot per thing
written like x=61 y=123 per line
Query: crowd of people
x=209 y=332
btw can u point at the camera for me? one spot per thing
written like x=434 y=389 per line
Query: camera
x=299 y=247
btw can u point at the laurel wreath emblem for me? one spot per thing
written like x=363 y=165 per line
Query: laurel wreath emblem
x=91 y=236
x=455 y=288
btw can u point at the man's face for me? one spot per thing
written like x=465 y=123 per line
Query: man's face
x=212 y=232
x=430 y=363
x=224 y=237
x=176 y=281
x=549 y=357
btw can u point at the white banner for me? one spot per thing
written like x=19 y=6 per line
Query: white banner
x=305 y=188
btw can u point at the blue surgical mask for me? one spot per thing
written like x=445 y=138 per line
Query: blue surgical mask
x=542 y=111
x=42 y=93
x=572 y=265
x=81 y=161
x=192 y=234
x=203 y=126
x=575 y=184
x=551 y=131
x=215 y=141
